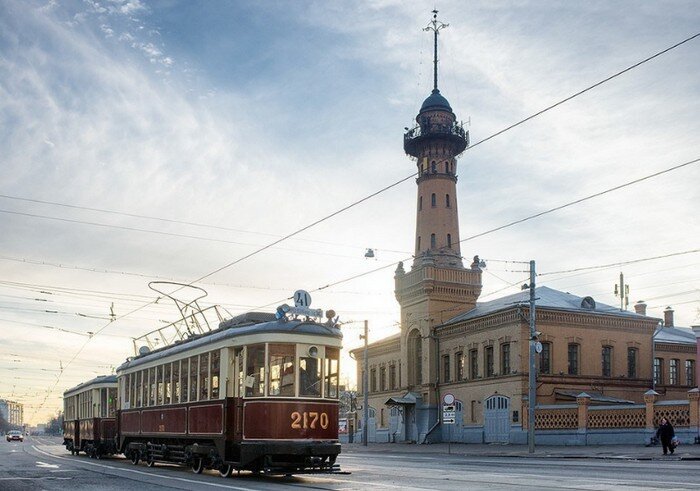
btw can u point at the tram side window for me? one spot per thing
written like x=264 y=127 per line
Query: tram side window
x=241 y=372
x=331 y=374
x=128 y=384
x=167 y=390
x=282 y=369
x=152 y=386
x=193 y=378
x=184 y=389
x=159 y=383
x=215 y=359
x=176 y=382
x=255 y=371
x=139 y=388
x=103 y=400
x=204 y=377
x=111 y=402
x=309 y=376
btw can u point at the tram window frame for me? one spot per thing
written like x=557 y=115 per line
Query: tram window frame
x=103 y=402
x=160 y=392
x=184 y=380
x=194 y=378
x=175 y=370
x=127 y=391
x=112 y=394
x=281 y=380
x=304 y=382
x=214 y=374
x=152 y=386
x=331 y=374
x=168 y=383
x=256 y=357
x=239 y=357
x=204 y=377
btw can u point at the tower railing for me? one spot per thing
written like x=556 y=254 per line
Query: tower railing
x=454 y=132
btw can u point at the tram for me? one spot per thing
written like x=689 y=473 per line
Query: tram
x=259 y=393
x=89 y=417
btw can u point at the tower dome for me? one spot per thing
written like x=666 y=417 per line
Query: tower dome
x=435 y=102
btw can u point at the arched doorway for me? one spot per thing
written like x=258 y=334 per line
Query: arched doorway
x=497 y=419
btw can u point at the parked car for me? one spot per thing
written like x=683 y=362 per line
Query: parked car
x=14 y=435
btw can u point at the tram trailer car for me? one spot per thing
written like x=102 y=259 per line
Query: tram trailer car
x=260 y=393
x=89 y=417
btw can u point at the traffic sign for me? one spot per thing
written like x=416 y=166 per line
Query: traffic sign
x=448 y=421
x=448 y=399
x=302 y=298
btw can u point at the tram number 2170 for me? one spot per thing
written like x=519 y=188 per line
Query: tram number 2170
x=309 y=420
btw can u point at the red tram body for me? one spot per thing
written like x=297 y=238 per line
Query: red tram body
x=89 y=421
x=260 y=393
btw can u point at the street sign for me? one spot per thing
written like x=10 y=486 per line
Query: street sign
x=448 y=408
x=448 y=399
x=448 y=421
x=302 y=298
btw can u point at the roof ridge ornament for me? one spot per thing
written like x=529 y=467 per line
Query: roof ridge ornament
x=435 y=26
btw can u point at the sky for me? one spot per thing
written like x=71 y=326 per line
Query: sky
x=167 y=140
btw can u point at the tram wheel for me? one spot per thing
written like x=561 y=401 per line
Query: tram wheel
x=135 y=457
x=225 y=470
x=197 y=465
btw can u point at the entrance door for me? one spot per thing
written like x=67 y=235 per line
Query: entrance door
x=497 y=419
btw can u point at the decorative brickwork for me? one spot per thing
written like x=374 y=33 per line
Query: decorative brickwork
x=617 y=418
x=556 y=419
x=677 y=415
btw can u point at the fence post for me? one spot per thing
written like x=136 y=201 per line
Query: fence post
x=583 y=400
x=693 y=401
x=649 y=400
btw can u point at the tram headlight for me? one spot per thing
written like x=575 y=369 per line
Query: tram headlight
x=313 y=352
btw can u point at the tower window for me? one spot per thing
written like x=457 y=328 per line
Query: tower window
x=420 y=203
x=433 y=167
x=418 y=244
x=432 y=241
x=447 y=200
x=449 y=241
x=433 y=200
x=447 y=168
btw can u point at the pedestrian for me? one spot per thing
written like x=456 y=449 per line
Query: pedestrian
x=665 y=433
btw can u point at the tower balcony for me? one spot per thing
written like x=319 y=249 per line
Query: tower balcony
x=418 y=137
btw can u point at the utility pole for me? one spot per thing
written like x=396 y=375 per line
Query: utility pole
x=365 y=391
x=532 y=385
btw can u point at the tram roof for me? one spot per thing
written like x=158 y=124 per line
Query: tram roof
x=237 y=327
x=101 y=379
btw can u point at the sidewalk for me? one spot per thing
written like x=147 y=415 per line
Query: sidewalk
x=624 y=452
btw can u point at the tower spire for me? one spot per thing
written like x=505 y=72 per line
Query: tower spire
x=435 y=26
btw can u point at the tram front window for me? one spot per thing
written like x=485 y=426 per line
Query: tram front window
x=255 y=371
x=331 y=375
x=309 y=377
x=282 y=369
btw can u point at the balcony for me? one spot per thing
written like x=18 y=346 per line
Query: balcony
x=416 y=138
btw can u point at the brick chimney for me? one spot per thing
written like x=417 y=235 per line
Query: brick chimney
x=668 y=317
x=640 y=308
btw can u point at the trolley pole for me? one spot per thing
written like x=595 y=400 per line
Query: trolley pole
x=532 y=385
x=365 y=393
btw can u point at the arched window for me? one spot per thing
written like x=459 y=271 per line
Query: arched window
x=415 y=358
x=433 y=167
x=447 y=200
x=447 y=167
x=432 y=241
x=433 y=200
x=418 y=244
x=420 y=203
x=449 y=241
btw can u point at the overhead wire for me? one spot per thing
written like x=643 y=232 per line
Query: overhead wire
x=390 y=186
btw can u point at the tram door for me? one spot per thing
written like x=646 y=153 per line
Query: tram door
x=497 y=419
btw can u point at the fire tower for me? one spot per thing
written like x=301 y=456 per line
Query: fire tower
x=438 y=286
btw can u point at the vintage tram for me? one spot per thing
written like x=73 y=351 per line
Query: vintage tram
x=89 y=417
x=257 y=393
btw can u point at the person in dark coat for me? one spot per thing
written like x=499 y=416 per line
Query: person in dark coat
x=665 y=433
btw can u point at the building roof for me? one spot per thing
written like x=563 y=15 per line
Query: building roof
x=675 y=335
x=547 y=298
x=435 y=101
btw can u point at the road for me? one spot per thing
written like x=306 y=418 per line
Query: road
x=41 y=463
